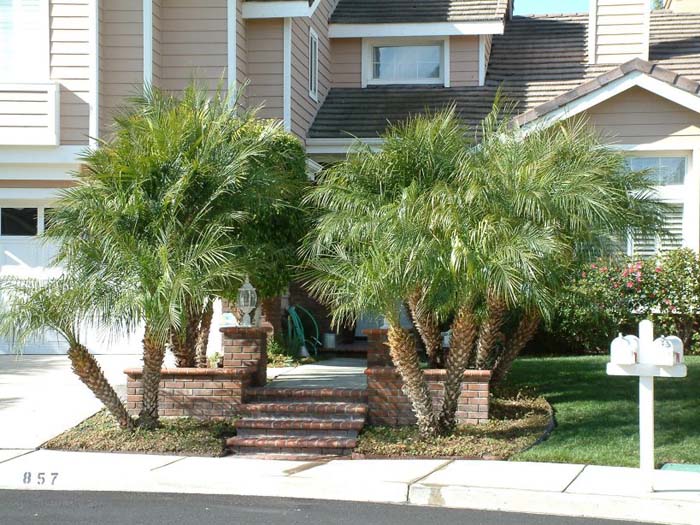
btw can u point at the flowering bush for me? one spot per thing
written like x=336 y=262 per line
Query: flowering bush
x=611 y=296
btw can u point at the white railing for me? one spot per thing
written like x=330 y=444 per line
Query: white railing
x=29 y=114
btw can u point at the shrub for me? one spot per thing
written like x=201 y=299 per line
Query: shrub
x=613 y=295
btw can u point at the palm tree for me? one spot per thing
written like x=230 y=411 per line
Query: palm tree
x=166 y=207
x=476 y=230
x=67 y=306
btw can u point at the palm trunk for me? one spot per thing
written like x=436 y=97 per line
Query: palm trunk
x=427 y=326
x=153 y=355
x=490 y=331
x=402 y=348
x=183 y=345
x=203 y=335
x=464 y=331
x=527 y=328
x=88 y=370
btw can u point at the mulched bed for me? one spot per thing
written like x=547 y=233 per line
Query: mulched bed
x=517 y=422
x=183 y=436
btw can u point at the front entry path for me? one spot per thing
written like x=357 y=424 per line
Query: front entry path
x=311 y=411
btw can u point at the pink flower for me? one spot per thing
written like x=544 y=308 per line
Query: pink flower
x=593 y=267
x=583 y=274
x=630 y=284
x=657 y=269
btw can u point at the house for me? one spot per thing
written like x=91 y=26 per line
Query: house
x=332 y=70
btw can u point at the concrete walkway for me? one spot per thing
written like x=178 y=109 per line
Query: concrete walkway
x=539 y=488
x=340 y=372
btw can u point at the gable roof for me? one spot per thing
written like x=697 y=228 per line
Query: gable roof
x=417 y=11
x=536 y=60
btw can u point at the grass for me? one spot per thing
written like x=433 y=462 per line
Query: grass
x=515 y=424
x=100 y=433
x=597 y=415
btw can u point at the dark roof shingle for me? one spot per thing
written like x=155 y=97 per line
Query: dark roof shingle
x=417 y=11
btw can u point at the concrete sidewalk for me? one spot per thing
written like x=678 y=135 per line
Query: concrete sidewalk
x=540 y=488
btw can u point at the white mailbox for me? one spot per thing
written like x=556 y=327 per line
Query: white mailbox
x=668 y=351
x=624 y=350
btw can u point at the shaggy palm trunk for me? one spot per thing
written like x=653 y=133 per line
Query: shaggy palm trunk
x=464 y=331
x=88 y=370
x=490 y=331
x=427 y=326
x=153 y=354
x=402 y=348
x=203 y=335
x=184 y=344
x=527 y=328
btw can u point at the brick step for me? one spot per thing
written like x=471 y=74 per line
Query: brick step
x=318 y=409
x=332 y=433
x=271 y=394
x=283 y=443
x=298 y=455
x=299 y=423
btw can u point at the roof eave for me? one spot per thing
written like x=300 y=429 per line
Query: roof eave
x=418 y=29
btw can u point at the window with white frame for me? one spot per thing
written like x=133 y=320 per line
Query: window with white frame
x=404 y=61
x=668 y=172
x=24 y=40
x=313 y=64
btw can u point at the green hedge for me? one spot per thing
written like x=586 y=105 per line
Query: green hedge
x=613 y=295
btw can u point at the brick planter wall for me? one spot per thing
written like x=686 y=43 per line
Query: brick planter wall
x=204 y=393
x=245 y=347
x=389 y=406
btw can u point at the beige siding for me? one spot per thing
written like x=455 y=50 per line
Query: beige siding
x=265 y=66
x=304 y=108
x=638 y=116
x=157 y=39
x=121 y=59
x=241 y=49
x=488 y=41
x=70 y=66
x=193 y=42
x=621 y=30
x=346 y=62
x=464 y=61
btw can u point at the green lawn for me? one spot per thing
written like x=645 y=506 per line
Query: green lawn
x=597 y=415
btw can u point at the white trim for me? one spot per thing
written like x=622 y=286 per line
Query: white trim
x=646 y=33
x=61 y=155
x=321 y=146
x=287 y=75
x=367 y=62
x=42 y=136
x=148 y=42
x=414 y=29
x=276 y=9
x=313 y=65
x=592 y=32
x=231 y=44
x=312 y=169
x=94 y=111
x=31 y=195
x=482 y=60
x=634 y=79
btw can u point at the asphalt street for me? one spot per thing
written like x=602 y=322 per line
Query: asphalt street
x=93 y=508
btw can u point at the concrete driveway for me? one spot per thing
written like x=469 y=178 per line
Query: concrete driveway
x=40 y=396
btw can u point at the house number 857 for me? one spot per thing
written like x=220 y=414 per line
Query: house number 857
x=41 y=477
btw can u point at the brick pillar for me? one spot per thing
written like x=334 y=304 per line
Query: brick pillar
x=378 y=349
x=244 y=347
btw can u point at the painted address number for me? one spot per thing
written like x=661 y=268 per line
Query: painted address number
x=41 y=478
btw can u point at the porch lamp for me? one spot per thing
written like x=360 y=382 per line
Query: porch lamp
x=247 y=301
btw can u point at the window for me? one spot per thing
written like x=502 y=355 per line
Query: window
x=313 y=64
x=404 y=61
x=668 y=173
x=24 y=40
x=18 y=221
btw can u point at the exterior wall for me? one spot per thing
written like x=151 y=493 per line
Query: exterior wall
x=265 y=65
x=683 y=6
x=464 y=61
x=389 y=406
x=246 y=348
x=157 y=40
x=620 y=31
x=241 y=49
x=205 y=393
x=639 y=117
x=346 y=62
x=70 y=51
x=193 y=43
x=304 y=108
x=121 y=58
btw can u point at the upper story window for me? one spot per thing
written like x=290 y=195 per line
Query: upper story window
x=404 y=61
x=313 y=64
x=24 y=40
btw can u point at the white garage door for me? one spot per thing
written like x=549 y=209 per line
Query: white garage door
x=23 y=254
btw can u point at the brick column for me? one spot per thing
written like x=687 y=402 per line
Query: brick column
x=378 y=349
x=243 y=347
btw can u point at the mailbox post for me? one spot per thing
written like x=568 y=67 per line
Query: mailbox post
x=646 y=358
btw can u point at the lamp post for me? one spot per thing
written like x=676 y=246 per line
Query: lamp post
x=247 y=301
